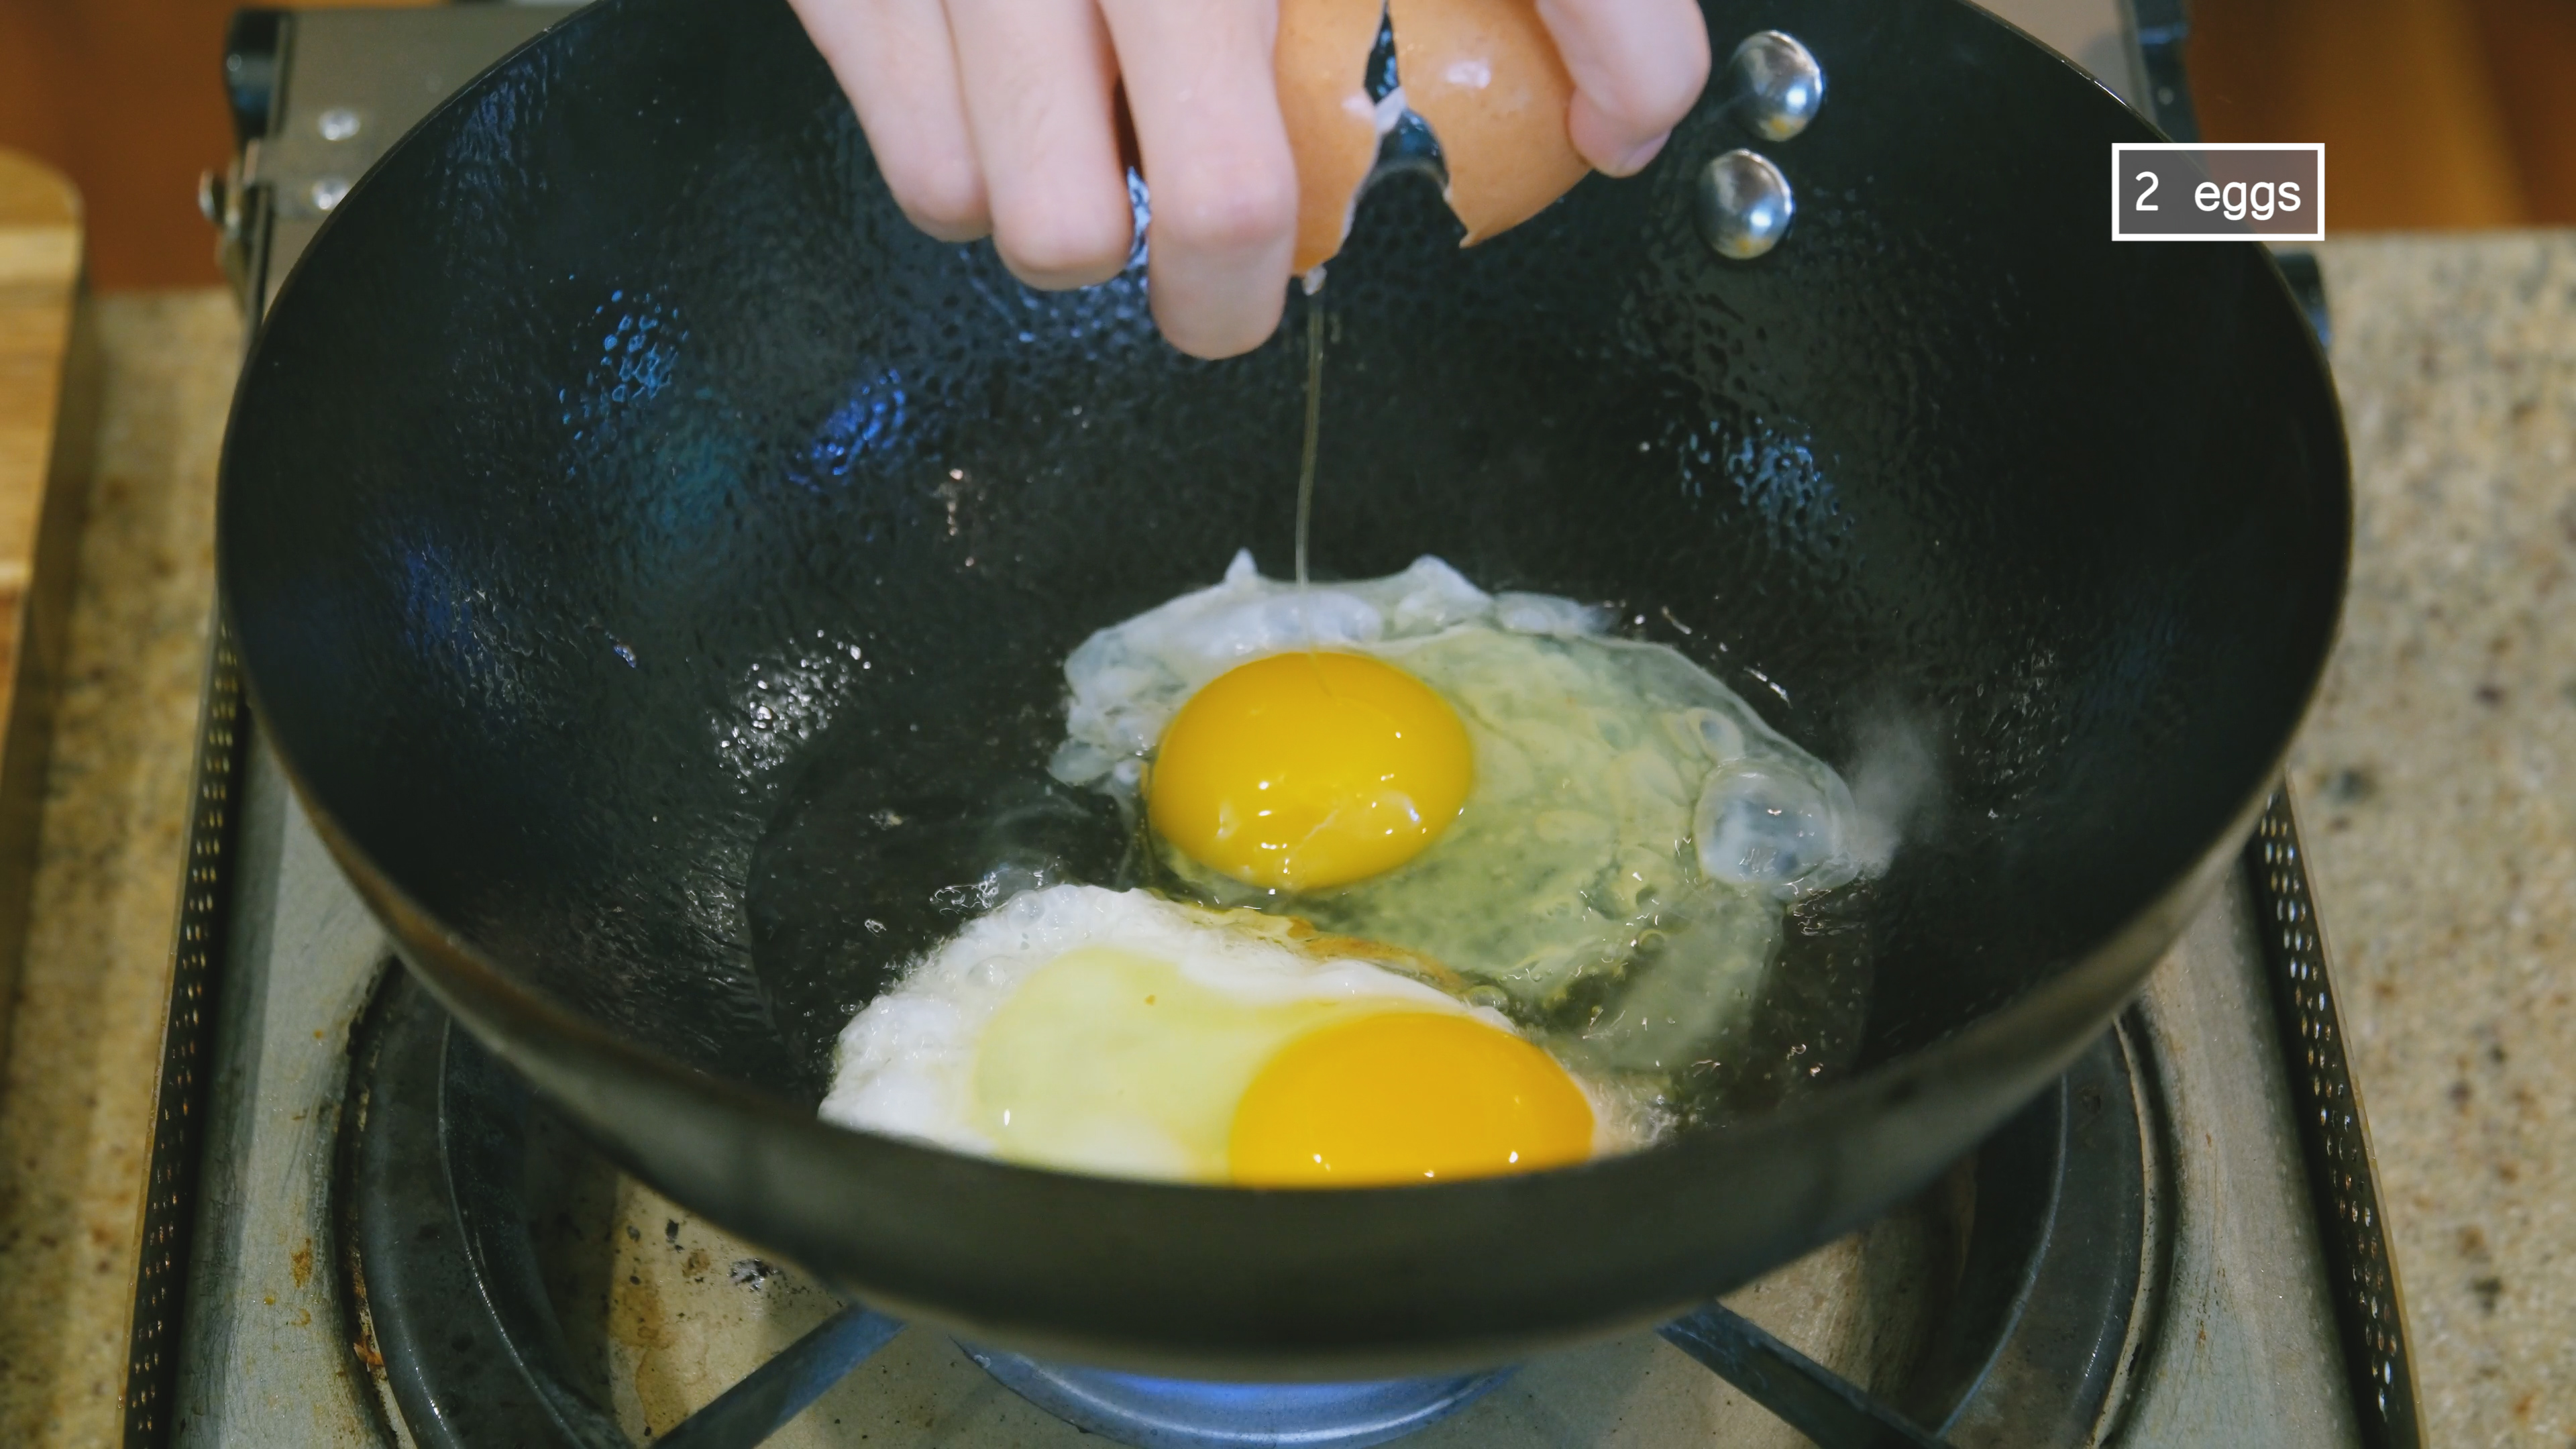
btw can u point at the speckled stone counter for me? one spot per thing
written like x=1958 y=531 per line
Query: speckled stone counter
x=2438 y=776
x=86 y=1039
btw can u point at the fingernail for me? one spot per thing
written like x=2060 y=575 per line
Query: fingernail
x=1635 y=161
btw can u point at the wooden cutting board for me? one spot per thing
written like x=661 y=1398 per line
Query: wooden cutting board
x=48 y=397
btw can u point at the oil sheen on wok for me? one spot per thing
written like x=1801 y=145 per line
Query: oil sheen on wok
x=1423 y=883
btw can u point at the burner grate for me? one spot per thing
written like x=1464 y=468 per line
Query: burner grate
x=449 y=1278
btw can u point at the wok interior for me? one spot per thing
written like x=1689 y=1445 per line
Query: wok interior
x=621 y=477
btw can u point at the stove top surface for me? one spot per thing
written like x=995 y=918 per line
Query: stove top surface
x=317 y=1298
x=388 y=1246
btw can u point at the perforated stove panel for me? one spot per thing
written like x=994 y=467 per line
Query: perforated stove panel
x=2334 y=1137
x=185 y=1050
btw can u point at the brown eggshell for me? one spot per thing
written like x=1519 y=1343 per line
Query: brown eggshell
x=1322 y=69
x=1486 y=76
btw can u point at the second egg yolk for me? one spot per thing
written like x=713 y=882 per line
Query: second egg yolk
x=1406 y=1097
x=1307 y=770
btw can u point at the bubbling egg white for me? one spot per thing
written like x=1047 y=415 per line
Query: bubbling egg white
x=1117 y=1033
x=1619 y=864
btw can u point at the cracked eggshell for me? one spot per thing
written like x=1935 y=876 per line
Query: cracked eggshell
x=1486 y=76
x=1321 y=64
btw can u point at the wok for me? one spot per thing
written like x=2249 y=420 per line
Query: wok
x=623 y=509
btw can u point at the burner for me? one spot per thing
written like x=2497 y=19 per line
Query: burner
x=468 y=1212
x=1182 y=1414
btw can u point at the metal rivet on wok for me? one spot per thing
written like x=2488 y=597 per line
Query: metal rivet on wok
x=1745 y=205
x=1774 y=84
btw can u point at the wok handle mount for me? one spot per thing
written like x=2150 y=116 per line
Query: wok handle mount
x=1773 y=88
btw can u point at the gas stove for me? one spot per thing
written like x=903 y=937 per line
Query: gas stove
x=362 y=1230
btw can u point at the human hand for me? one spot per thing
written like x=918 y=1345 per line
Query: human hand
x=1638 y=67
x=1000 y=117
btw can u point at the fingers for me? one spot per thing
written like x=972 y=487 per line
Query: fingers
x=1038 y=77
x=999 y=115
x=1217 y=163
x=1638 y=66
x=895 y=59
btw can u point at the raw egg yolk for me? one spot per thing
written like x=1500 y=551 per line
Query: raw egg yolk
x=1307 y=770
x=1404 y=1097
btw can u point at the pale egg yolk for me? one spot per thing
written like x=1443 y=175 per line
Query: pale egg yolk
x=1406 y=1097
x=1307 y=770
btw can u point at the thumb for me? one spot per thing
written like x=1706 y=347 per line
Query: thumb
x=1638 y=67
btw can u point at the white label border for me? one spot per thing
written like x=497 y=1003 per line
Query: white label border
x=2123 y=148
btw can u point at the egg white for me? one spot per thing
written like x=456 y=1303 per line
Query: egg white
x=1112 y=1032
x=1634 y=836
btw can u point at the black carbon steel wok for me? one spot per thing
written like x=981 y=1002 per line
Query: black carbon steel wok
x=620 y=488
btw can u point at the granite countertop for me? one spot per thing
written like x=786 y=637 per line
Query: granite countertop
x=2438 y=779
x=2438 y=775
x=85 y=1047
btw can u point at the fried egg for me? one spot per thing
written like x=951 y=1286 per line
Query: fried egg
x=1117 y=1033
x=1595 y=828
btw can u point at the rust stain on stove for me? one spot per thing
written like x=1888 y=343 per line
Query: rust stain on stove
x=638 y=1319
x=635 y=1312
x=300 y=1263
